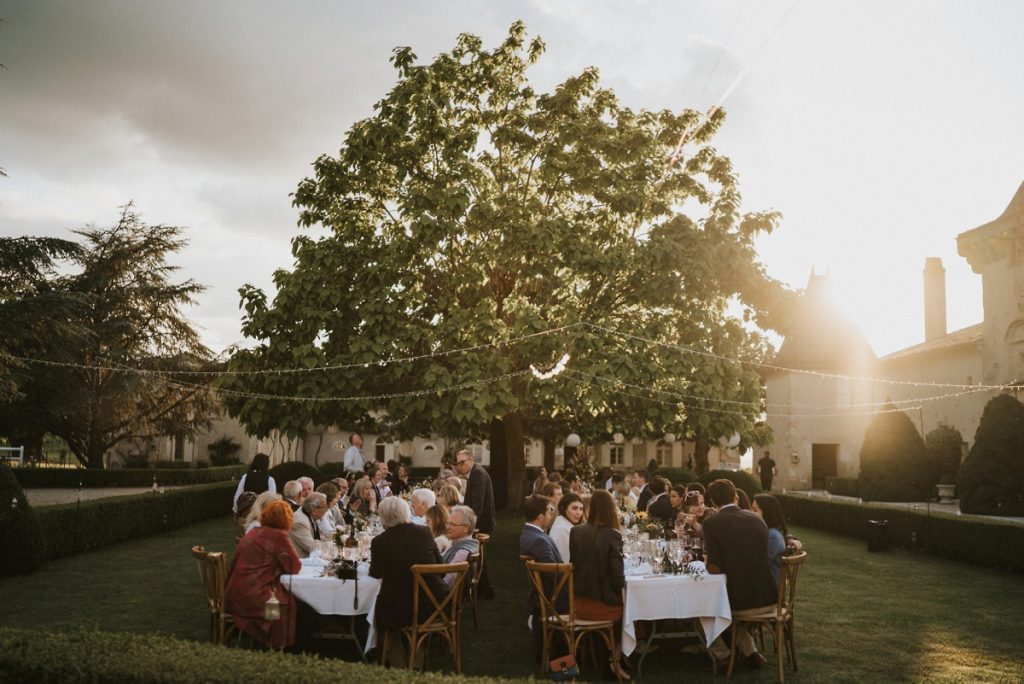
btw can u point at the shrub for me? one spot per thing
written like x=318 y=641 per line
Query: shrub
x=943 y=448
x=893 y=466
x=85 y=657
x=293 y=470
x=678 y=475
x=332 y=470
x=173 y=465
x=985 y=542
x=88 y=477
x=223 y=451
x=135 y=460
x=741 y=478
x=992 y=477
x=21 y=538
x=843 y=486
x=72 y=528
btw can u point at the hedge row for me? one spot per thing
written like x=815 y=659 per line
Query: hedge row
x=985 y=542
x=115 y=658
x=843 y=486
x=124 y=477
x=73 y=528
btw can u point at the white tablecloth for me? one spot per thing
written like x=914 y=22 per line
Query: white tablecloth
x=675 y=597
x=330 y=595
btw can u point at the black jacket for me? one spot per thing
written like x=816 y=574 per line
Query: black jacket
x=480 y=497
x=391 y=554
x=596 y=556
x=736 y=541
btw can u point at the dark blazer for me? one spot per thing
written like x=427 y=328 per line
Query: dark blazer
x=644 y=498
x=480 y=497
x=735 y=542
x=598 y=571
x=533 y=542
x=662 y=510
x=391 y=554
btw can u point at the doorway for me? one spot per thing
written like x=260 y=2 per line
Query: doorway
x=823 y=463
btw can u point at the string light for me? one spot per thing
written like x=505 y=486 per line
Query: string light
x=555 y=370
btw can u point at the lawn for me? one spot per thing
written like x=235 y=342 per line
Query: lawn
x=861 y=617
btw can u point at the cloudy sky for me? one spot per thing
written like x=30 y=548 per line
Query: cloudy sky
x=880 y=130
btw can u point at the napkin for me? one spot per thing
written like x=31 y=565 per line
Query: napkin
x=697 y=567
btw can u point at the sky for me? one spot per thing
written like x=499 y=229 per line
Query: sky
x=879 y=130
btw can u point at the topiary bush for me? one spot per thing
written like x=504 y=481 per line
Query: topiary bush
x=842 y=486
x=678 y=475
x=893 y=466
x=741 y=478
x=332 y=470
x=992 y=478
x=943 y=449
x=21 y=537
x=293 y=470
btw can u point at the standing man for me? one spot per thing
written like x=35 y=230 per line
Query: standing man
x=355 y=462
x=766 y=469
x=480 y=497
x=735 y=541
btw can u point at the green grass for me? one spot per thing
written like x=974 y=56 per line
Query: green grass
x=861 y=617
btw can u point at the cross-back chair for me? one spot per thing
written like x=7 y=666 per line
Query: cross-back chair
x=559 y=582
x=779 y=617
x=213 y=571
x=443 y=619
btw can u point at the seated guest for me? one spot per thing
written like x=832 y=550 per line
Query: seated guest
x=676 y=497
x=642 y=488
x=555 y=476
x=660 y=506
x=362 y=502
x=779 y=539
x=448 y=497
x=459 y=484
x=437 y=521
x=420 y=501
x=595 y=550
x=399 y=482
x=622 y=493
x=333 y=517
x=570 y=514
x=256 y=479
x=401 y=545
x=461 y=524
x=243 y=506
x=292 y=494
x=571 y=482
x=307 y=487
x=342 y=485
x=742 y=500
x=305 y=530
x=252 y=521
x=695 y=513
x=263 y=555
x=381 y=488
x=553 y=492
x=736 y=542
x=541 y=548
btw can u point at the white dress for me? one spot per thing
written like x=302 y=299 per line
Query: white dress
x=559 y=534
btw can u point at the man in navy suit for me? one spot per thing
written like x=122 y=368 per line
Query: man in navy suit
x=534 y=542
x=736 y=542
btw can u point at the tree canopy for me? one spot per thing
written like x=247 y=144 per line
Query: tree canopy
x=471 y=211
x=103 y=342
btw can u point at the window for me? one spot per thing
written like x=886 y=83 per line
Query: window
x=663 y=453
x=616 y=454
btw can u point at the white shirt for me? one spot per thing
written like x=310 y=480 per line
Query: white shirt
x=560 y=535
x=354 y=460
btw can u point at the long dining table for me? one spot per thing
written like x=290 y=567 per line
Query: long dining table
x=331 y=596
x=651 y=597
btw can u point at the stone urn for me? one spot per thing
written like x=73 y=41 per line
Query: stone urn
x=946 y=493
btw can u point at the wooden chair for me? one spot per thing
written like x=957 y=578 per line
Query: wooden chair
x=553 y=621
x=475 y=570
x=478 y=571
x=444 y=618
x=213 y=571
x=779 y=617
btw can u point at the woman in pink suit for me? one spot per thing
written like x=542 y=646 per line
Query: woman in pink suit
x=263 y=555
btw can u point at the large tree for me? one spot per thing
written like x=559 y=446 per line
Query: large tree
x=127 y=370
x=470 y=210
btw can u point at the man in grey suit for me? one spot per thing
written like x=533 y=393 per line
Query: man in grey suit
x=305 y=531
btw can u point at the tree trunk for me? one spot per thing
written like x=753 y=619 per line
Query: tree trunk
x=515 y=461
x=549 y=454
x=700 y=456
x=94 y=457
x=498 y=469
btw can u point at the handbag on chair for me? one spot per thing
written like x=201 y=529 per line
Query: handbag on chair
x=563 y=668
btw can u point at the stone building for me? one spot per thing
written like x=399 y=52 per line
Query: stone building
x=827 y=380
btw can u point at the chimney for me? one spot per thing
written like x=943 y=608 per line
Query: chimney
x=934 y=299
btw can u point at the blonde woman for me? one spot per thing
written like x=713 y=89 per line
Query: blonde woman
x=252 y=521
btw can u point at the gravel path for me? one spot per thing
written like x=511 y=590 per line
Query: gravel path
x=52 y=497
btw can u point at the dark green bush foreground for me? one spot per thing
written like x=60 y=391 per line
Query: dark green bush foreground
x=72 y=528
x=20 y=535
x=985 y=542
x=124 y=477
x=842 y=486
x=42 y=657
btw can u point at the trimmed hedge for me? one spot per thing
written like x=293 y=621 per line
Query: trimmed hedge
x=73 y=528
x=332 y=470
x=985 y=542
x=843 y=486
x=293 y=470
x=69 y=478
x=677 y=475
x=741 y=478
x=116 y=658
x=20 y=533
